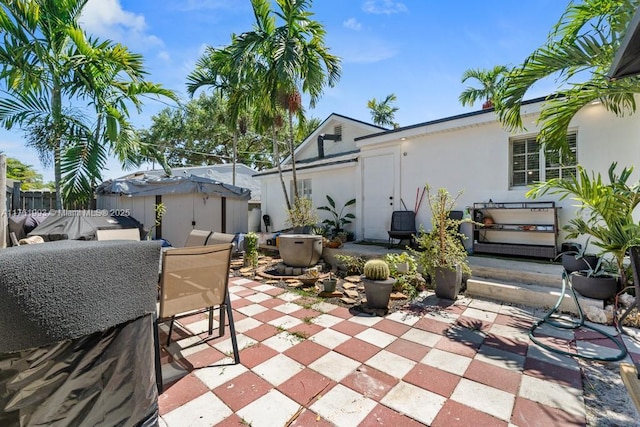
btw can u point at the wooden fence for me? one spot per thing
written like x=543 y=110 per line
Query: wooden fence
x=35 y=200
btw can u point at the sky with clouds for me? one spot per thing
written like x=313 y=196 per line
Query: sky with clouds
x=416 y=49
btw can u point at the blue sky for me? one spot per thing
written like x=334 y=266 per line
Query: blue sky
x=416 y=49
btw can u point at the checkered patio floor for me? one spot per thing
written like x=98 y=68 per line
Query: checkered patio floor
x=318 y=364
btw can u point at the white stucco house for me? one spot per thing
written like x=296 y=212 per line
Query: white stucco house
x=384 y=169
x=326 y=164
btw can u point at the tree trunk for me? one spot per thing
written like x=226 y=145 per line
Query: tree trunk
x=235 y=154
x=57 y=174
x=293 y=157
x=276 y=158
x=3 y=201
x=56 y=113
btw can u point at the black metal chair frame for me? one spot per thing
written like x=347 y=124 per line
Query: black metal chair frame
x=634 y=255
x=558 y=322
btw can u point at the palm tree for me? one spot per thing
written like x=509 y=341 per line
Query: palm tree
x=50 y=68
x=490 y=81
x=287 y=61
x=215 y=68
x=382 y=113
x=583 y=42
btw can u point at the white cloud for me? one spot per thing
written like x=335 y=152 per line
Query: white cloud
x=353 y=24
x=383 y=7
x=106 y=18
x=190 y=5
x=164 y=55
x=366 y=51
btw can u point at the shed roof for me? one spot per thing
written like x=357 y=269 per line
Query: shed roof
x=153 y=185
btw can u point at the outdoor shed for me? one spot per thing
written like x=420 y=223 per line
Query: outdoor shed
x=191 y=202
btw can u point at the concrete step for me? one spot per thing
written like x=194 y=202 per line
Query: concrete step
x=515 y=271
x=525 y=294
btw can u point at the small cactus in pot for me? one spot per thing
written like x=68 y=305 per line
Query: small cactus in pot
x=376 y=269
x=377 y=284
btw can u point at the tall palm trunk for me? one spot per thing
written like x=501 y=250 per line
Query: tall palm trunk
x=276 y=158
x=235 y=154
x=56 y=112
x=293 y=157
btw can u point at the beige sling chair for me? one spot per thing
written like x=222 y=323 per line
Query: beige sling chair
x=196 y=280
x=197 y=238
x=118 y=234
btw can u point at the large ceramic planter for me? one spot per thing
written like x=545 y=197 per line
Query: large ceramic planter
x=300 y=250
x=378 y=292
x=601 y=287
x=572 y=263
x=448 y=282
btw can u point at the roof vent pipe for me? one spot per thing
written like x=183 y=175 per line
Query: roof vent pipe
x=328 y=137
x=321 y=146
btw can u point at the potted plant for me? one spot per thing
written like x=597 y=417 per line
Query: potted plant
x=401 y=263
x=605 y=210
x=578 y=259
x=339 y=220
x=251 y=250
x=441 y=254
x=596 y=282
x=377 y=284
x=329 y=284
x=404 y=269
x=302 y=216
x=353 y=265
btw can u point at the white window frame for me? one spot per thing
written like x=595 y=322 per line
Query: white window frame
x=304 y=189
x=543 y=168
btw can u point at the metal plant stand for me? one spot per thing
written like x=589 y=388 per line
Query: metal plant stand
x=557 y=322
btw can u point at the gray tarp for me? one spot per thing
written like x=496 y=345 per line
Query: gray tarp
x=80 y=225
x=152 y=186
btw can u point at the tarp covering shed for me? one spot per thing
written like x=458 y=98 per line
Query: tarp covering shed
x=190 y=202
x=152 y=185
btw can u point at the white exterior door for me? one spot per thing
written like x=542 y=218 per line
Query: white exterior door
x=378 y=185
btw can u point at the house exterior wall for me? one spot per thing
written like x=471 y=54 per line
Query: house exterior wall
x=140 y=208
x=475 y=157
x=471 y=153
x=181 y=211
x=350 y=131
x=337 y=181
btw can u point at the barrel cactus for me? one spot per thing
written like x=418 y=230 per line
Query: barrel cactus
x=376 y=269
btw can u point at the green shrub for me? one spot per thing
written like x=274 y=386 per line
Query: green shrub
x=251 y=254
x=353 y=264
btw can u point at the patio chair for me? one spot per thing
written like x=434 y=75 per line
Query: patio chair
x=118 y=234
x=195 y=280
x=403 y=226
x=457 y=215
x=197 y=238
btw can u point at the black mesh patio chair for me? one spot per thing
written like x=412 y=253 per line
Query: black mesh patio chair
x=457 y=215
x=403 y=227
